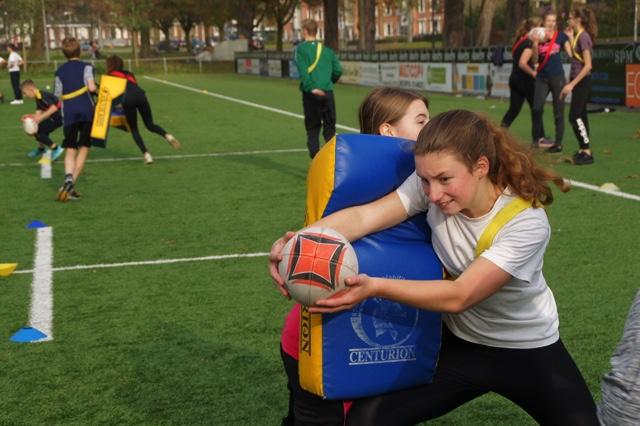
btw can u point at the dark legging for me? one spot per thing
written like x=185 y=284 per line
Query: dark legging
x=139 y=102
x=545 y=382
x=578 y=111
x=544 y=85
x=15 y=83
x=521 y=89
x=319 y=113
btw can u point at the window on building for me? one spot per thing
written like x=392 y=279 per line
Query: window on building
x=388 y=30
x=435 y=26
x=422 y=26
x=387 y=9
x=421 y=6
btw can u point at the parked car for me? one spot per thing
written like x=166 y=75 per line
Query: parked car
x=168 y=46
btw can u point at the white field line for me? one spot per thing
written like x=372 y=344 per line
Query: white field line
x=179 y=156
x=280 y=111
x=604 y=191
x=45 y=167
x=149 y=262
x=243 y=102
x=41 y=312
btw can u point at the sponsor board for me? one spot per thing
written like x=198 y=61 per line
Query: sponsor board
x=499 y=82
x=369 y=74
x=439 y=77
x=274 y=68
x=412 y=75
x=350 y=72
x=632 y=85
x=389 y=75
x=471 y=79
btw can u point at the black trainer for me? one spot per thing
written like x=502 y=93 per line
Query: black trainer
x=582 y=158
x=74 y=195
x=64 y=191
x=555 y=148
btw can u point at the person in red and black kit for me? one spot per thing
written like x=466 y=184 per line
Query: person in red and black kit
x=523 y=74
x=47 y=116
x=134 y=100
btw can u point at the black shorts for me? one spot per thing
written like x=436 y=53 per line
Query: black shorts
x=47 y=126
x=77 y=134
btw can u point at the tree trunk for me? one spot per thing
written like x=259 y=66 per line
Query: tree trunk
x=485 y=21
x=37 y=38
x=409 y=12
x=279 y=32
x=517 y=11
x=453 y=30
x=367 y=25
x=331 y=24
x=187 y=36
x=145 y=42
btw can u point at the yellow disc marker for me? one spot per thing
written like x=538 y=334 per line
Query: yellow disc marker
x=7 y=269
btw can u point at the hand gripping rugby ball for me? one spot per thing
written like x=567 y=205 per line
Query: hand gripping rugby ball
x=30 y=125
x=538 y=32
x=315 y=263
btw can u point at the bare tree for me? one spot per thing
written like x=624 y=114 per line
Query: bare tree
x=281 y=11
x=485 y=22
x=367 y=25
x=331 y=24
x=249 y=14
x=517 y=11
x=453 y=30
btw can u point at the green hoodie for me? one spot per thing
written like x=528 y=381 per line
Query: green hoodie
x=327 y=71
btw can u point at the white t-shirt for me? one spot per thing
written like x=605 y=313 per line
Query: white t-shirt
x=13 y=63
x=523 y=313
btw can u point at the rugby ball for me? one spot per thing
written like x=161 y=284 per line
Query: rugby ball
x=30 y=125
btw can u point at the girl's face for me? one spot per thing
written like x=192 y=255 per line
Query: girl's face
x=550 y=22
x=449 y=184
x=574 y=22
x=409 y=126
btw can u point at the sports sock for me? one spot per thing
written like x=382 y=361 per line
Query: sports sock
x=68 y=177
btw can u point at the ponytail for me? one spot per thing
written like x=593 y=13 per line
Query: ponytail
x=588 y=19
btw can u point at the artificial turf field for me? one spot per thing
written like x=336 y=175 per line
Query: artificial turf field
x=197 y=342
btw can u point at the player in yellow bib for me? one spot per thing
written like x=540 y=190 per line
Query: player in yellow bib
x=483 y=194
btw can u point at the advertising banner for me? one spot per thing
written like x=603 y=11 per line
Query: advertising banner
x=499 y=83
x=412 y=75
x=632 y=86
x=471 y=79
x=274 y=68
x=389 y=74
x=439 y=77
x=369 y=74
x=350 y=72
x=608 y=78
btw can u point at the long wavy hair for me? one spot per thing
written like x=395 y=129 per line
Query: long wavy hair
x=469 y=136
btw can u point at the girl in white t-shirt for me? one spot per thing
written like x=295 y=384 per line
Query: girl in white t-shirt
x=13 y=65
x=501 y=322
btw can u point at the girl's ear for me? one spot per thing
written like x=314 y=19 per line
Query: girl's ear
x=386 y=129
x=482 y=167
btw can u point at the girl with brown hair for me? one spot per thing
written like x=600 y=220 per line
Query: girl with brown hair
x=385 y=111
x=583 y=31
x=483 y=194
x=523 y=74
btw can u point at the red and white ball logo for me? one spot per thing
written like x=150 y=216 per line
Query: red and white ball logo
x=315 y=263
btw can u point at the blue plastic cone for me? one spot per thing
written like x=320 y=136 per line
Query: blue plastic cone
x=36 y=224
x=27 y=334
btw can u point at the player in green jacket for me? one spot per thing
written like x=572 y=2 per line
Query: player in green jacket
x=319 y=69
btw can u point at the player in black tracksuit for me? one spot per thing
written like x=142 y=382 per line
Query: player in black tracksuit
x=523 y=74
x=135 y=100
